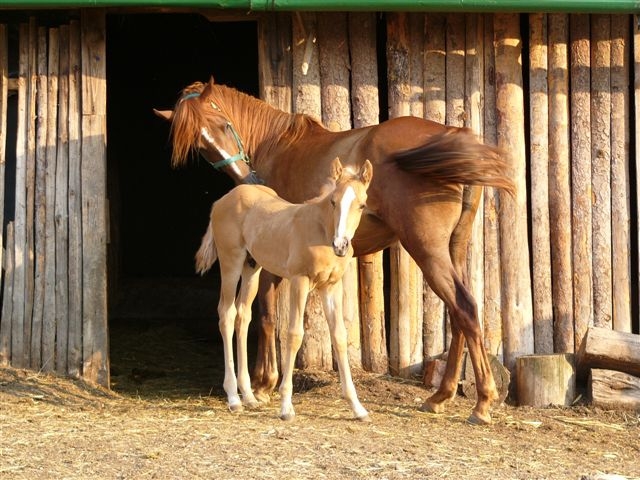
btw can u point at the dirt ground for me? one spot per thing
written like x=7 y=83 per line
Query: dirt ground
x=166 y=418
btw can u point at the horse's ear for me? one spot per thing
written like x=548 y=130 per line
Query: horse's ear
x=211 y=80
x=336 y=169
x=366 y=172
x=164 y=114
x=207 y=90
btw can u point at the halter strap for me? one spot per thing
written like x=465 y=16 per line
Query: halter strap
x=241 y=155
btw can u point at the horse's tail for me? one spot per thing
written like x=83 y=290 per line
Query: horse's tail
x=457 y=156
x=207 y=253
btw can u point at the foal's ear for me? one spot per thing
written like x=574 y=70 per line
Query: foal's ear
x=336 y=169
x=366 y=172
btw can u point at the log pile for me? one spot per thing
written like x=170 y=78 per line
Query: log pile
x=610 y=361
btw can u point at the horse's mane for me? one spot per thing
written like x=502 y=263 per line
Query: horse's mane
x=258 y=123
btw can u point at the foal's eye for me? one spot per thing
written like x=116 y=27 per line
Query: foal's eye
x=362 y=205
x=333 y=202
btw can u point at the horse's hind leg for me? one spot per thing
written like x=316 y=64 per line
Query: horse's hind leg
x=246 y=295
x=265 y=372
x=464 y=325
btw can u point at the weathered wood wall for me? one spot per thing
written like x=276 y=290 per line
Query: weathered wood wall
x=54 y=315
x=544 y=265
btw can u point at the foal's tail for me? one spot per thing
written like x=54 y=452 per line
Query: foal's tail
x=207 y=253
x=457 y=156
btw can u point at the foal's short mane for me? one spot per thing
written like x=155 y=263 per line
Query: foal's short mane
x=257 y=122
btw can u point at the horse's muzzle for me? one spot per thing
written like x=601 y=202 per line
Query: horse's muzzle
x=341 y=246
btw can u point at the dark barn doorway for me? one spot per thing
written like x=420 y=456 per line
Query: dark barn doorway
x=160 y=311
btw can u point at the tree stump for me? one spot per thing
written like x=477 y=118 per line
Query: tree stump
x=543 y=380
x=501 y=376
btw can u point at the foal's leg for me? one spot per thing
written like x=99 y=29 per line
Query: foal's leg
x=299 y=291
x=265 y=372
x=227 y=312
x=248 y=290
x=332 y=304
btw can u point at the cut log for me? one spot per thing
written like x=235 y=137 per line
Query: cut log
x=543 y=380
x=501 y=376
x=609 y=349
x=613 y=389
x=433 y=372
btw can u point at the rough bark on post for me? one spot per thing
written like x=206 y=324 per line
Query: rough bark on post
x=434 y=336
x=539 y=139
x=559 y=184
x=336 y=114
x=492 y=277
x=636 y=90
x=620 y=181
x=364 y=104
x=614 y=390
x=5 y=315
x=315 y=350
x=581 y=175
x=514 y=249
x=601 y=168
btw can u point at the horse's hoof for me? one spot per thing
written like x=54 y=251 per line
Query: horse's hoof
x=253 y=405
x=431 y=407
x=364 y=418
x=475 y=419
x=263 y=397
x=235 y=408
x=287 y=417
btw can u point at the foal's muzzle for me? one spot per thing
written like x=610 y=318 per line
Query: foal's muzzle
x=341 y=246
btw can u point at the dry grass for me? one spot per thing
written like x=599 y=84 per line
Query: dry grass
x=166 y=418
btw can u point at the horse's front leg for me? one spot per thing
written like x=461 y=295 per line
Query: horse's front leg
x=299 y=291
x=265 y=372
x=248 y=290
x=332 y=304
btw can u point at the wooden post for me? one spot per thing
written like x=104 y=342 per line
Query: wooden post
x=620 y=182
x=275 y=74
x=434 y=109
x=601 y=168
x=49 y=314
x=94 y=222
x=559 y=184
x=539 y=138
x=336 y=115
x=581 y=197
x=636 y=91
x=7 y=305
x=5 y=319
x=364 y=103
x=492 y=276
x=514 y=248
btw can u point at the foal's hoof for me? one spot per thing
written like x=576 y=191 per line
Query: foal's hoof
x=235 y=408
x=477 y=419
x=287 y=417
x=253 y=405
x=364 y=418
x=263 y=397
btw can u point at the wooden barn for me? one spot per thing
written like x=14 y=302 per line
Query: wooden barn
x=91 y=208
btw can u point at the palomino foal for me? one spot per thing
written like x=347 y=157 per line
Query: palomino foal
x=252 y=228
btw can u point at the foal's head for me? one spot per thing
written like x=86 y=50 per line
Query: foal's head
x=348 y=200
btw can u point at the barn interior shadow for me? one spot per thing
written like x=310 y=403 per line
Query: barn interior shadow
x=163 y=322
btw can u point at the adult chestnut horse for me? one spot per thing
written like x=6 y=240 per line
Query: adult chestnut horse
x=417 y=196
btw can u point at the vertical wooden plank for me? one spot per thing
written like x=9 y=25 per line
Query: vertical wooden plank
x=7 y=278
x=30 y=189
x=49 y=327
x=581 y=196
x=75 y=205
x=492 y=275
x=274 y=53
x=20 y=222
x=560 y=183
x=61 y=208
x=7 y=306
x=601 y=168
x=435 y=108
x=315 y=350
x=401 y=282
x=40 y=202
x=94 y=180
x=539 y=138
x=620 y=182
x=473 y=70
x=636 y=91
x=336 y=115
x=514 y=249
x=366 y=112
x=455 y=69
